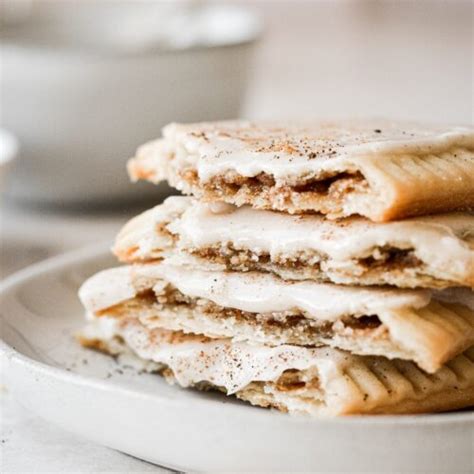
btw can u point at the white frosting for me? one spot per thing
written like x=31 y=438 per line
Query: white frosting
x=265 y=293
x=258 y=292
x=224 y=364
x=141 y=231
x=289 y=150
x=439 y=241
x=102 y=328
x=435 y=239
x=107 y=288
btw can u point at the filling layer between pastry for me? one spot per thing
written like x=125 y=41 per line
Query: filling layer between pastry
x=433 y=252
x=261 y=308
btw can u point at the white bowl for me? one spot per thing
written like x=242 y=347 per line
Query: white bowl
x=81 y=99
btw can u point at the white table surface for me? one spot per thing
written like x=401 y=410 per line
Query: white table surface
x=30 y=444
x=317 y=59
x=27 y=442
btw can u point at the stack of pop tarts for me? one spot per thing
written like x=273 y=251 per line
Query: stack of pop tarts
x=323 y=268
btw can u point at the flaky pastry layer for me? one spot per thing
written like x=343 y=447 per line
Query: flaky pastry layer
x=431 y=252
x=382 y=170
x=320 y=382
x=394 y=323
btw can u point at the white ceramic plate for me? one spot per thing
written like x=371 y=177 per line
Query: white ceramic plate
x=89 y=394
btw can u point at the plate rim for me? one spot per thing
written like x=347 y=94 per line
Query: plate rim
x=90 y=252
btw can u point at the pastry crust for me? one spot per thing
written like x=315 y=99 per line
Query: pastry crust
x=323 y=382
x=378 y=169
x=427 y=252
x=404 y=324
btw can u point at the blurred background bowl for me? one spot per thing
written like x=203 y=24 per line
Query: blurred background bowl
x=8 y=151
x=84 y=83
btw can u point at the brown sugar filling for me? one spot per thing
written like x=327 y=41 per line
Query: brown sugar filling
x=294 y=325
x=331 y=191
x=246 y=260
x=327 y=186
x=392 y=259
x=388 y=259
x=292 y=381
